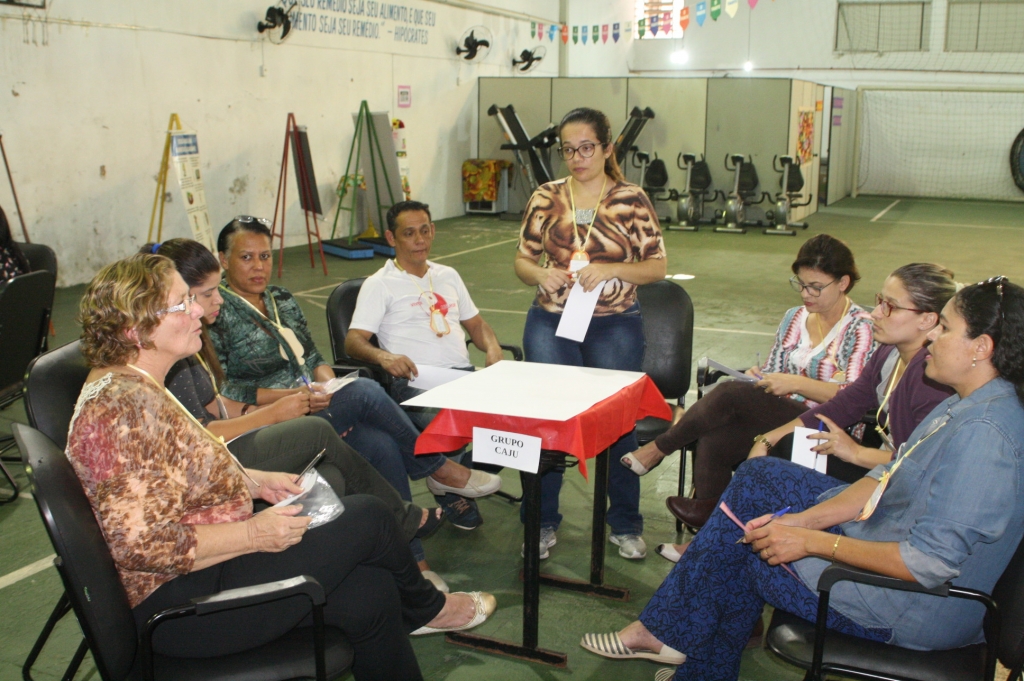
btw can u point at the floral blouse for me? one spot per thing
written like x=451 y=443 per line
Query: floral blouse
x=150 y=475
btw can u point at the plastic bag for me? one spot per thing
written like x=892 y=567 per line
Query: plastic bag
x=318 y=499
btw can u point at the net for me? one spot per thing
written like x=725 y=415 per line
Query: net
x=940 y=144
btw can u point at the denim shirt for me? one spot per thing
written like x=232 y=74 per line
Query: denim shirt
x=956 y=508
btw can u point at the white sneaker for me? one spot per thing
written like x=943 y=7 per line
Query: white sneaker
x=631 y=546
x=547 y=540
x=480 y=484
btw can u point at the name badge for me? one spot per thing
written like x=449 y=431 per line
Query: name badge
x=502 y=448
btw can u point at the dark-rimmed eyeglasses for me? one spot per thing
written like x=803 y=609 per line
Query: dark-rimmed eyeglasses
x=585 y=150
x=813 y=289
x=887 y=307
x=248 y=218
x=184 y=306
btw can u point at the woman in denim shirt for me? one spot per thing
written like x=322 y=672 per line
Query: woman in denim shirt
x=952 y=510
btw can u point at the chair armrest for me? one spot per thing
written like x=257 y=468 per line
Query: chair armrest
x=364 y=371
x=260 y=593
x=840 y=572
x=517 y=352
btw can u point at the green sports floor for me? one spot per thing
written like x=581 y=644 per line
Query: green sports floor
x=739 y=291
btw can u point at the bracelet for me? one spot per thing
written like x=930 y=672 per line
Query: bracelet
x=245 y=409
x=763 y=440
x=834 y=547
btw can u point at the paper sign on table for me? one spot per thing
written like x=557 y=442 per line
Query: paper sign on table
x=431 y=377
x=802 y=453
x=578 y=311
x=511 y=450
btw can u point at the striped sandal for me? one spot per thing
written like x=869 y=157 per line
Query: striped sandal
x=611 y=646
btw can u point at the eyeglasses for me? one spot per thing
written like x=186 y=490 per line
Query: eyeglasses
x=813 y=289
x=585 y=150
x=998 y=281
x=184 y=306
x=888 y=307
x=248 y=218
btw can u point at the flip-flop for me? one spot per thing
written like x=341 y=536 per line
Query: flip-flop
x=633 y=464
x=611 y=646
x=433 y=522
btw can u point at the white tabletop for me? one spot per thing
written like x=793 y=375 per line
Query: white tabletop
x=528 y=390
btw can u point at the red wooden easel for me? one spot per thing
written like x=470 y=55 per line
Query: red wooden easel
x=291 y=137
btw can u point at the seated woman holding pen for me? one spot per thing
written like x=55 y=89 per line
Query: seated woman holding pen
x=947 y=508
x=278 y=436
x=819 y=347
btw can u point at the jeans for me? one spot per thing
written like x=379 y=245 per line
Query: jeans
x=613 y=342
x=383 y=434
x=420 y=416
x=707 y=605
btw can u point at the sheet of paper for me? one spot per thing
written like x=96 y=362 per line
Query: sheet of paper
x=335 y=384
x=802 y=453
x=579 y=309
x=738 y=375
x=431 y=377
x=307 y=484
x=528 y=390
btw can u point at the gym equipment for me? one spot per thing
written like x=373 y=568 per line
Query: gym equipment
x=653 y=178
x=744 y=188
x=791 y=184
x=536 y=164
x=690 y=206
x=626 y=141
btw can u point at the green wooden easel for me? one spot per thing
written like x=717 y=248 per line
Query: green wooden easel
x=363 y=122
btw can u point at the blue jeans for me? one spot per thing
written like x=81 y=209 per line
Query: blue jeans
x=383 y=435
x=420 y=416
x=708 y=604
x=613 y=342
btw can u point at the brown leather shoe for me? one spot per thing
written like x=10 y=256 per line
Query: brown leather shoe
x=693 y=512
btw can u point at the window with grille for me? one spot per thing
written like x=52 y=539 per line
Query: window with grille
x=646 y=9
x=883 y=25
x=985 y=26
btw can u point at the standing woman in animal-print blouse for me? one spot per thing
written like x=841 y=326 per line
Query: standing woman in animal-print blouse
x=593 y=229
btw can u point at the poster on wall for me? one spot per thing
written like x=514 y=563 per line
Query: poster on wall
x=185 y=157
x=805 y=136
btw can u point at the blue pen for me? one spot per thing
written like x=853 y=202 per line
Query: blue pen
x=778 y=514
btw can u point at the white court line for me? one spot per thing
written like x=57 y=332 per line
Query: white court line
x=27 y=571
x=487 y=309
x=887 y=209
x=949 y=224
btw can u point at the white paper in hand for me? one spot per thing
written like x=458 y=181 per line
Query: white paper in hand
x=802 y=453
x=579 y=309
x=335 y=384
x=429 y=377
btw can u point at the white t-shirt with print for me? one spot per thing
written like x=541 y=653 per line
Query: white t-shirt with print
x=407 y=313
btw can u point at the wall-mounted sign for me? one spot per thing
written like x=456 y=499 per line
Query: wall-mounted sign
x=404 y=96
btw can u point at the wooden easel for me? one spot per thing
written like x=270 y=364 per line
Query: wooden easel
x=291 y=137
x=377 y=167
x=161 y=183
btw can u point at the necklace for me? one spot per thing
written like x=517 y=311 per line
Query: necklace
x=831 y=353
x=217 y=441
x=438 y=323
x=581 y=253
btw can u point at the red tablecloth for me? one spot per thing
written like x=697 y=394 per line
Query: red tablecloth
x=584 y=436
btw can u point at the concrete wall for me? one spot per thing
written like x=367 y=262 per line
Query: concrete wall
x=88 y=89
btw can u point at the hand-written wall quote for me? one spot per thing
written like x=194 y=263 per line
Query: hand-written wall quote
x=365 y=19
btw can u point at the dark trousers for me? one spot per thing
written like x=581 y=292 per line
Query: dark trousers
x=723 y=424
x=288 y=447
x=375 y=594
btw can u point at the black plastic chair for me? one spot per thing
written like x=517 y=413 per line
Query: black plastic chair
x=821 y=652
x=95 y=593
x=25 y=305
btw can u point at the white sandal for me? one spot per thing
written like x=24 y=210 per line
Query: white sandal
x=668 y=552
x=484 y=604
x=633 y=464
x=611 y=646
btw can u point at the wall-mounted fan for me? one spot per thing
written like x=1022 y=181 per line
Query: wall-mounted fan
x=277 y=23
x=528 y=59
x=474 y=44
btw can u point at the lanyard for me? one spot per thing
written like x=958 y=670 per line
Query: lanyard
x=217 y=441
x=286 y=333
x=832 y=348
x=581 y=247
x=438 y=324
x=221 y=407
x=872 y=502
x=894 y=380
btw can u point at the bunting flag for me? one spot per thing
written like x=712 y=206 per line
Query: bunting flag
x=584 y=36
x=593 y=33
x=666 y=22
x=552 y=30
x=540 y=32
x=684 y=18
x=640 y=28
x=654 y=24
x=752 y=3
x=604 y=33
x=565 y=34
x=702 y=12
x=615 y=32
x=716 y=9
x=731 y=7
x=533 y=29
x=575 y=34
x=628 y=27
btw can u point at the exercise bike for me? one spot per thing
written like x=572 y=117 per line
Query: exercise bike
x=791 y=185
x=653 y=178
x=744 y=187
x=690 y=206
